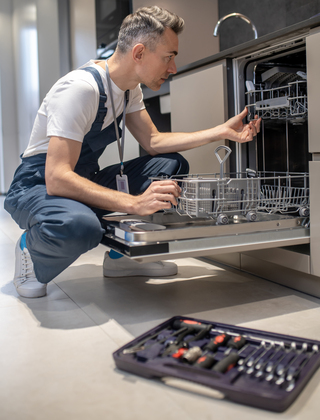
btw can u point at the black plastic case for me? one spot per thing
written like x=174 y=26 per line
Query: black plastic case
x=246 y=366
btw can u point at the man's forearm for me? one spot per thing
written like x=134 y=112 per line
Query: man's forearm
x=179 y=142
x=158 y=196
x=61 y=180
x=75 y=187
x=154 y=142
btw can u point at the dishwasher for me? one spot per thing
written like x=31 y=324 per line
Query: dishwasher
x=217 y=213
x=264 y=201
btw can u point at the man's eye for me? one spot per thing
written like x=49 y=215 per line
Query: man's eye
x=169 y=58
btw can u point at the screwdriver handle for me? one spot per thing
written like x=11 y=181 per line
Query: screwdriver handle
x=198 y=326
x=226 y=363
x=183 y=334
x=219 y=340
x=201 y=334
x=205 y=361
x=237 y=342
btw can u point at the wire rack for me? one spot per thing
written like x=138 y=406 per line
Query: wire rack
x=286 y=102
x=223 y=195
x=211 y=196
x=215 y=197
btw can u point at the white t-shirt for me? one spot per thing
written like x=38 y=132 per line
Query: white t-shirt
x=71 y=105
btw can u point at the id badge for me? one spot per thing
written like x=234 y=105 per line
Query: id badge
x=122 y=183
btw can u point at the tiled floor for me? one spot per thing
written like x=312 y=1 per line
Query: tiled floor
x=56 y=352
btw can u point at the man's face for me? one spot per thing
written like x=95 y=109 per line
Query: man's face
x=160 y=63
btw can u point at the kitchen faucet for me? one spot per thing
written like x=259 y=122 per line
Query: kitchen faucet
x=237 y=15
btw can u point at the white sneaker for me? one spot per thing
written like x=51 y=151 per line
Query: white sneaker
x=25 y=279
x=124 y=267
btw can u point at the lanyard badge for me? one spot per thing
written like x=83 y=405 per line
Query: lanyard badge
x=121 y=180
x=122 y=183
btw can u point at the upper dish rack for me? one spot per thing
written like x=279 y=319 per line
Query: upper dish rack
x=280 y=95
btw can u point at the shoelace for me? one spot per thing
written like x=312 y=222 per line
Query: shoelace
x=27 y=266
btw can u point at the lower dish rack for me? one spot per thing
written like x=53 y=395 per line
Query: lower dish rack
x=220 y=196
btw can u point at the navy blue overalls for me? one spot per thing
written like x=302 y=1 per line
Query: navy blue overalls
x=61 y=229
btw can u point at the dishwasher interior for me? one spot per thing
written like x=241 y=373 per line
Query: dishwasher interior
x=261 y=203
x=273 y=85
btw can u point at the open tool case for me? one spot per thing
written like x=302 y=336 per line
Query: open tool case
x=243 y=365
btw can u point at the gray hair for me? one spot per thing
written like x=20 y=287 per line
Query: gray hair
x=146 y=26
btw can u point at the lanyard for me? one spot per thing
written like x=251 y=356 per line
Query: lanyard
x=126 y=98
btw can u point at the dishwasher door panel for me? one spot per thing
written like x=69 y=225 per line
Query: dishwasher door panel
x=182 y=236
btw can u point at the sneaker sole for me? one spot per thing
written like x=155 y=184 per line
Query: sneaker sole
x=137 y=273
x=32 y=293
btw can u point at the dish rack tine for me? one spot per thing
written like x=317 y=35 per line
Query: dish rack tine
x=221 y=161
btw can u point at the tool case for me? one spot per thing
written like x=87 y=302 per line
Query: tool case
x=246 y=366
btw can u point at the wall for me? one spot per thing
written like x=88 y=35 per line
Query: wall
x=82 y=31
x=196 y=41
x=9 y=154
x=48 y=45
x=26 y=67
x=30 y=63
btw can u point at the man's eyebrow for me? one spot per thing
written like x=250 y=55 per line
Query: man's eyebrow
x=173 y=52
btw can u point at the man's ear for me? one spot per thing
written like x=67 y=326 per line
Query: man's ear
x=138 y=52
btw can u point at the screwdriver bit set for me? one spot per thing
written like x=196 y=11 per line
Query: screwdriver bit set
x=246 y=366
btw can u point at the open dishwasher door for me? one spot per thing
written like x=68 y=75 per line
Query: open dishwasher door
x=168 y=235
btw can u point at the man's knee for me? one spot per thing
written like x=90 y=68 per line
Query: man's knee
x=79 y=230
x=173 y=164
x=85 y=228
x=183 y=165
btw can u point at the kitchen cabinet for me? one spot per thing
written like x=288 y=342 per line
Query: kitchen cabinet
x=314 y=174
x=198 y=102
x=313 y=66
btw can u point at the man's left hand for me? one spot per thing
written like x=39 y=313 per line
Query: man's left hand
x=235 y=130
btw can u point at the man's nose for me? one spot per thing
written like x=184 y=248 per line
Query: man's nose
x=172 y=68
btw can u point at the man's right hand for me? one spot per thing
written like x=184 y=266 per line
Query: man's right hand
x=158 y=196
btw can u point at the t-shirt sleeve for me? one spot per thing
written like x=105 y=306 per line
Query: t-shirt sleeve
x=71 y=109
x=136 y=100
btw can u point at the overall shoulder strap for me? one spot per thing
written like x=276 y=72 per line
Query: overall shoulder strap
x=102 y=110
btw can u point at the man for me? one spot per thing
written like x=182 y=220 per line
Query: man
x=59 y=194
